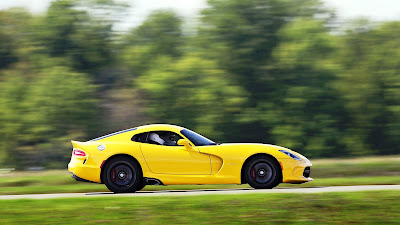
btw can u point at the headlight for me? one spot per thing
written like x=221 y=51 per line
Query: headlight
x=293 y=156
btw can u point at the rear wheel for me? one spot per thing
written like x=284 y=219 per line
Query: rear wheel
x=122 y=175
x=262 y=173
x=141 y=186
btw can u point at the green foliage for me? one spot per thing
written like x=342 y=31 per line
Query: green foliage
x=191 y=92
x=162 y=31
x=309 y=106
x=63 y=99
x=241 y=35
x=270 y=71
x=13 y=29
x=12 y=98
x=41 y=115
x=7 y=54
x=68 y=32
x=160 y=35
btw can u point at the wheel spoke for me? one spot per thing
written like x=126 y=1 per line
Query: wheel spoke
x=261 y=172
x=122 y=175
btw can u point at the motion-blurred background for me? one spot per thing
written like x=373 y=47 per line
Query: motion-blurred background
x=287 y=72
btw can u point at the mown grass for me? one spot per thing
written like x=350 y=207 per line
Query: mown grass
x=360 y=167
x=331 y=172
x=329 y=208
x=88 y=187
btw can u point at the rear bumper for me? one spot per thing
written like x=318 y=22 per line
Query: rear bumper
x=295 y=172
x=80 y=179
x=84 y=171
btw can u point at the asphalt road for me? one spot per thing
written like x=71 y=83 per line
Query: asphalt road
x=207 y=192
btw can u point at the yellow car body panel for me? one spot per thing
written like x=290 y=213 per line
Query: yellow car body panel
x=211 y=164
x=175 y=160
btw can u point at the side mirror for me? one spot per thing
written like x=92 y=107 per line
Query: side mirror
x=183 y=142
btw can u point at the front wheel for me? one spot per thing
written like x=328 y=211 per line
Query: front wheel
x=122 y=175
x=262 y=173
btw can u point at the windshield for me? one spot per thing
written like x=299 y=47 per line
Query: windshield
x=196 y=138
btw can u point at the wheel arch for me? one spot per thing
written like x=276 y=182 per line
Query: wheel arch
x=115 y=156
x=242 y=179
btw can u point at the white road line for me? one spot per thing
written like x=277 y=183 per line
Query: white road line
x=310 y=190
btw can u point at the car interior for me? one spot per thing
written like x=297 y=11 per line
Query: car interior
x=166 y=138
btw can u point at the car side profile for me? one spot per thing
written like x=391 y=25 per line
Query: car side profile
x=162 y=154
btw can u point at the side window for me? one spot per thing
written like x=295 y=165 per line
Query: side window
x=140 y=137
x=166 y=138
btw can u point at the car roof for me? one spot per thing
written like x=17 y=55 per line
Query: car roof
x=140 y=129
x=160 y=127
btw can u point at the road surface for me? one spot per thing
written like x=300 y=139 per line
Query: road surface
x=310 y=190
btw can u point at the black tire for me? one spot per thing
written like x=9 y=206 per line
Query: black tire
x=141 y=186
x=262 y=173
x=122 y=175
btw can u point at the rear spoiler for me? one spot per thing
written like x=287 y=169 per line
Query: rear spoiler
x=78 y=144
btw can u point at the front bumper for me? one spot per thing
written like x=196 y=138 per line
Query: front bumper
x=295 y=172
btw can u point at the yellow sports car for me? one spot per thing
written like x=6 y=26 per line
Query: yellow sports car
x=162 y=154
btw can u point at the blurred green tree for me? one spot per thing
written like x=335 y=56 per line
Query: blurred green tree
x=14 y=24
x=70 y=32
x=241 y=36
x=159 y=35
x=310 y=111
x=191 y=92
x=12 y=98
x=38 y=113
x=371 y=88
x=267 y=71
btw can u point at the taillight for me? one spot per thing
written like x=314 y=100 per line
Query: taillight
x=78 y=152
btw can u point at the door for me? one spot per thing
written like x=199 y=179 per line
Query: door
x=164 y=156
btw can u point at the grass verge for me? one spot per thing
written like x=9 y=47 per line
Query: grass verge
x=88 y=187
x=378 y=207
x=326 y=172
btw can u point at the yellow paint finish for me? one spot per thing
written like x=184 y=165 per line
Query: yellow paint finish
x=213 y=164
x=216 y=164
x=175 y=160
x=293 y=171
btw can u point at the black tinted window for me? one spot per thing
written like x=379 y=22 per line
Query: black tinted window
x=140 y=137
x=196 y=138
